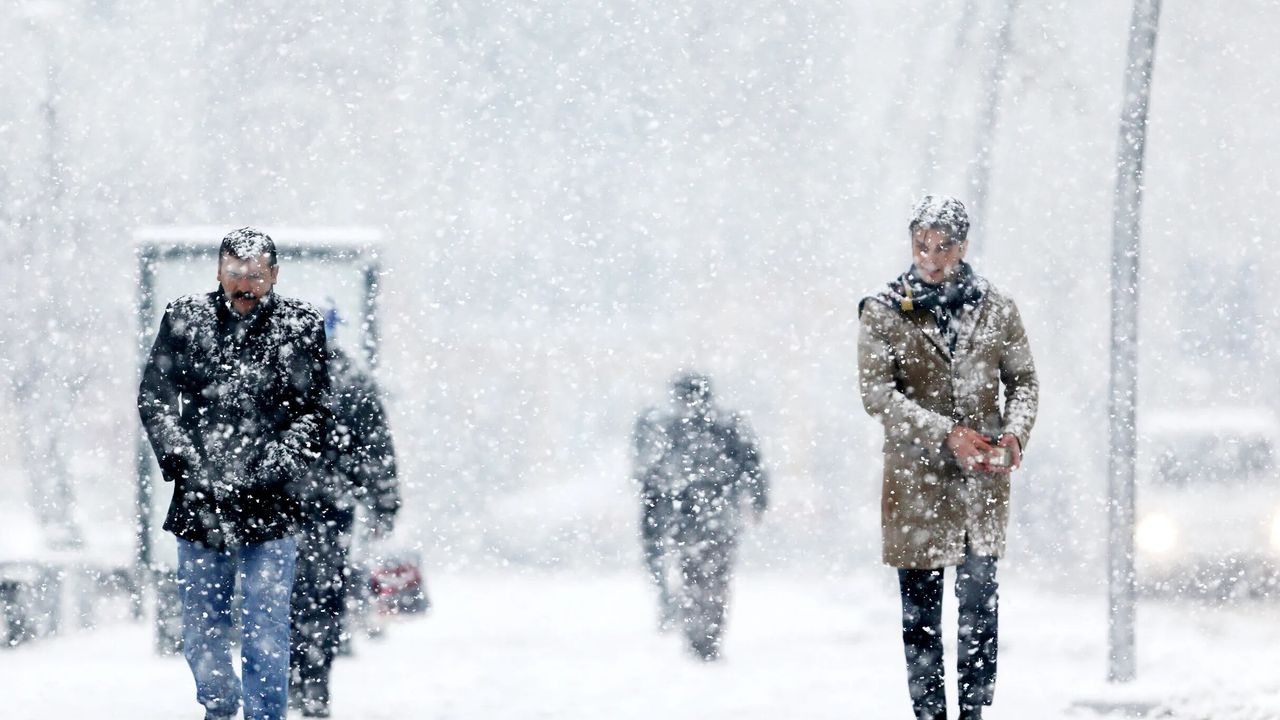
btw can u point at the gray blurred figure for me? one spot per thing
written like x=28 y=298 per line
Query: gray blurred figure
x=697 y=467
x=650 y=445
x=357 y=466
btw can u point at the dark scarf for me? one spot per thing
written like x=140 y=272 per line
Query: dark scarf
x=944 y=301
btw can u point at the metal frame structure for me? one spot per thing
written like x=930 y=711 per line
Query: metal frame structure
x=153 y=246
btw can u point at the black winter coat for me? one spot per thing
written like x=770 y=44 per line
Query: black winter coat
x=235 y=409
x=358 y=463
x=701 y=469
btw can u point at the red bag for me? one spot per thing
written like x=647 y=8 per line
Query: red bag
x=397 y=585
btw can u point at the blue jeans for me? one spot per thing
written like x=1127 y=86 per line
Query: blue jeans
x=207 y=579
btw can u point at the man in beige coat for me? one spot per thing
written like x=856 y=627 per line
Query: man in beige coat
x=934 y=349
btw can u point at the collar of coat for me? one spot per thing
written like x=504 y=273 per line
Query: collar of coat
x=896 y=297
x=243 y=324
x=899 y=295
x=908 y=292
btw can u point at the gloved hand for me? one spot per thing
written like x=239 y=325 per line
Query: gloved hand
x=279 y=466
x=183 y=463
x=381 y=526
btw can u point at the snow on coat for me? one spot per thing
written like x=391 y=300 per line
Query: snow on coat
x=918 y=390
x=235 y=410
x=358 y=462
x=700 y=469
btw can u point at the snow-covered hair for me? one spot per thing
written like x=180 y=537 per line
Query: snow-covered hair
x=689 y=386
x=247 y=244
x=941 y=212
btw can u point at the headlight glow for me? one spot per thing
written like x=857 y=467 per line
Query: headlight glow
x=1157 y=534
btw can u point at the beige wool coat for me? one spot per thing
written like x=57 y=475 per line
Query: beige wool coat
x=910 y=382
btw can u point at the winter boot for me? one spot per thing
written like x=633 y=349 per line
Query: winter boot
x=705 y=649
x=315 y=700
x=315 y=709
x=970 y=712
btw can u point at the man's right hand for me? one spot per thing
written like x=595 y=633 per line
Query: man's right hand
x=970 y=447
x=181 y=463
x=381 y=526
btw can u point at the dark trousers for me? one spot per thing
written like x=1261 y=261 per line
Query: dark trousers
x=318 y=604
x=706 y=568
x=654 y=541
x=976 y=593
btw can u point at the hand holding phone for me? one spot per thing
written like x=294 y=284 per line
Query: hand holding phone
x=1005 y=455
x=999 y=457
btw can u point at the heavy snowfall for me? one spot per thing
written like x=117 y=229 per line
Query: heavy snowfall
x=525 y=218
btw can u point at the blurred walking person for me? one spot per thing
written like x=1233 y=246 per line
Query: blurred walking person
x=936 y=347
x=233 y=398
x=705 y=468
x=357 y=466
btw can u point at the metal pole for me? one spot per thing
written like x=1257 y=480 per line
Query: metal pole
x=1124 y=336
x=147 y=257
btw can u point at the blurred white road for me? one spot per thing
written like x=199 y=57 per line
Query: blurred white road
x=568 y=646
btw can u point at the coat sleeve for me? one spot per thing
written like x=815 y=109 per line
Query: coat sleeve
x=1018 y=375
x=754 y=479
x=880 y=394
x=648 y=442
x=302 y=437
x=160 y=405
x=370 y=462
x=649 y=448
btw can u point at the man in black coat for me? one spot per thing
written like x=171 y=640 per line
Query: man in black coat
x=707 y=467
x=234 y=402
x=358 y=465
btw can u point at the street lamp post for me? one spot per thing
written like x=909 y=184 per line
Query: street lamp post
x=1124 y=337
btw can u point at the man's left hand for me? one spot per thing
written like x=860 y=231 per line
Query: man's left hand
x=381 y=527
x=1015 y=451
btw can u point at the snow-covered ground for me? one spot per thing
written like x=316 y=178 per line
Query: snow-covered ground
x=569 y=646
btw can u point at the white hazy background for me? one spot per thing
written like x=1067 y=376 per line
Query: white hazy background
x=579 y=197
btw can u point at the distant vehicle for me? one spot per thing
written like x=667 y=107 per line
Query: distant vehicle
x=396 y=584
x=1208 y=502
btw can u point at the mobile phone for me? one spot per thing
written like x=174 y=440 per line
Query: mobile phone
x=999 y=457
